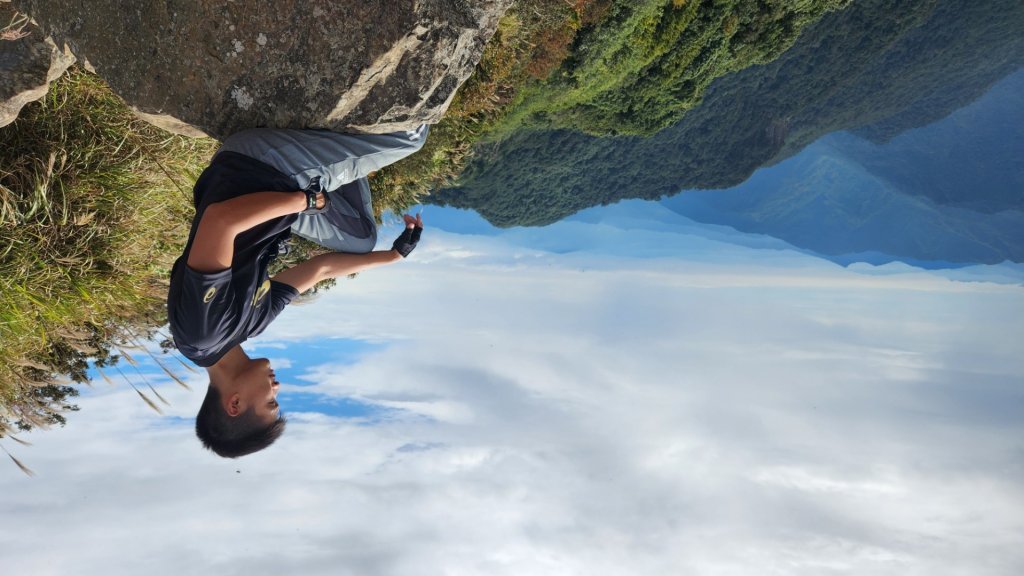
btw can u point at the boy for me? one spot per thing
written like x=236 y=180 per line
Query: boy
x=262 y=185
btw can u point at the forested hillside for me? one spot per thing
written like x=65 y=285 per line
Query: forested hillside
x=879 y=66
x=647 y=62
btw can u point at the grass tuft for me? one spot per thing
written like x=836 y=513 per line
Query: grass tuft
x=94 y=208
x=28 y=471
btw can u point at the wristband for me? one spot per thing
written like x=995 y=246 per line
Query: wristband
x=311 y=192
x=310 y=200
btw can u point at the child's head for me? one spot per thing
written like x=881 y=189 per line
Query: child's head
x=240 y=414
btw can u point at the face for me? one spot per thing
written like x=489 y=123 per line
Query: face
x=256 y=388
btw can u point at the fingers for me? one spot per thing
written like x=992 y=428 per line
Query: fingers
x=411 y=222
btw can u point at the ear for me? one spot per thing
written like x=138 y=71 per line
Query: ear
x=233 y=405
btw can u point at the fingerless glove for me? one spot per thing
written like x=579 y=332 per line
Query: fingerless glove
x=405 y=243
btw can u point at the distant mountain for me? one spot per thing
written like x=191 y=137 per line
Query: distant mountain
x=880 y=67
x=827 y=203
x=972 y=159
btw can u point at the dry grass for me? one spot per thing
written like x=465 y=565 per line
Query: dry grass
x=15 y=29
x=94 y=207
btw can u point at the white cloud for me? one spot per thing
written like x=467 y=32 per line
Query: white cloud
x=572 y=415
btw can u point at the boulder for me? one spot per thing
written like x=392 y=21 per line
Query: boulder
x=213 y=67
x=29 y=61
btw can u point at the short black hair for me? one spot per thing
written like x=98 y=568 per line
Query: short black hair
x=235 y=436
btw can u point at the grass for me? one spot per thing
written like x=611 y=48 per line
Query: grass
x=94 y=207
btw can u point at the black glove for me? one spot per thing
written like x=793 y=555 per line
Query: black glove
x=407 y=241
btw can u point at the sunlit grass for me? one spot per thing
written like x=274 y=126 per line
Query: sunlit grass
x=94 y=208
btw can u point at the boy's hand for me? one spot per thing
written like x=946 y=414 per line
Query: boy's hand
x=405 y=243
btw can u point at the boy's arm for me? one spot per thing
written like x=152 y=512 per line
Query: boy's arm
x=304 y=276
x=214 y=243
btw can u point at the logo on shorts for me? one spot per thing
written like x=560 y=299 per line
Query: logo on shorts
x=261 y=292
x=209 y=294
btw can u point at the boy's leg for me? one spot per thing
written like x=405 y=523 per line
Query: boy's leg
x=348 y=226
x=342 y=161
x=335 y=157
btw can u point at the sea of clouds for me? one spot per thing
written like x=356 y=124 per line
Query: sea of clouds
x=567 y=406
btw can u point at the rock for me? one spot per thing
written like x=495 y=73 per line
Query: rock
x=195 y=66
x=29 y=61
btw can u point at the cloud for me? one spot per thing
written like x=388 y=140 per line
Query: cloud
x=567 y=414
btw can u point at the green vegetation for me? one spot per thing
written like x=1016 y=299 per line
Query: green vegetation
x=94 y=205
x=647 y=62
x=532 y=41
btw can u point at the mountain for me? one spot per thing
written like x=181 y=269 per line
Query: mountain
x=947 y=193
x=974 y=158
x=879 y=67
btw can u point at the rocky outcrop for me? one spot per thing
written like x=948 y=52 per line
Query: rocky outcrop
x=198 y=66
x=29 y=61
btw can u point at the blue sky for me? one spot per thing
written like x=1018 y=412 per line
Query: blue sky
x=626 y=392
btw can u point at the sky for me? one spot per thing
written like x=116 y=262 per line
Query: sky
x=623 y=393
